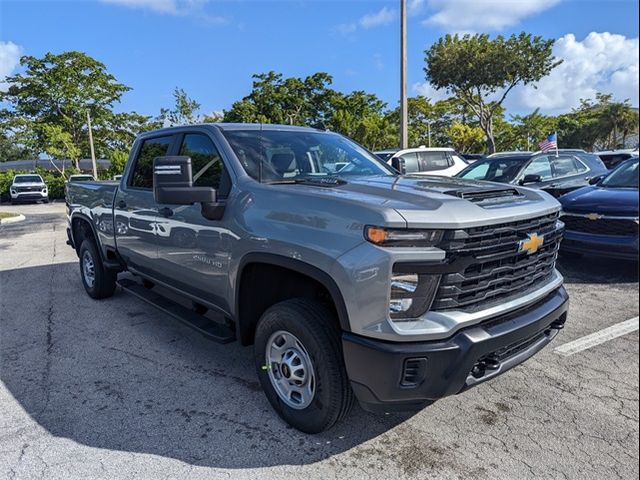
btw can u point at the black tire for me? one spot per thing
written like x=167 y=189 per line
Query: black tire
x=46 y=200
x=317 y=330
x=103 y=282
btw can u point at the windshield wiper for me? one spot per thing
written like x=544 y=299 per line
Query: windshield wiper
x=319 y=181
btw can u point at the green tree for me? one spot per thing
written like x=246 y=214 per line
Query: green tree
x=184 y=112
x=59 y=90
x=531 y=129
x=291 y=101
x=481 y=72
x=58 y=144
x=465 y=138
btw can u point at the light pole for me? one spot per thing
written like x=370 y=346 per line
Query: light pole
x=404 y=110
x=93 y=152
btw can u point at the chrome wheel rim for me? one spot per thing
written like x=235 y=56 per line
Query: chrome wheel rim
x=88 y=270
x=290 y=370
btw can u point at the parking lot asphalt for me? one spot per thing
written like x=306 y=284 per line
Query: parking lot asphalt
x=116 y=389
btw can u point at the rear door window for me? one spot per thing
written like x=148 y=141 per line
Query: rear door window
x=142 y=175
x=432 y=161
x=566 y=165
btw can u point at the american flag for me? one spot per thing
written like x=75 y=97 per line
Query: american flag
x=549 y=143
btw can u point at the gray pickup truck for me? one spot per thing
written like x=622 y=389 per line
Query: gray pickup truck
x=350 y=281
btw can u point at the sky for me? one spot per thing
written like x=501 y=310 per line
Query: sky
x=211 y=48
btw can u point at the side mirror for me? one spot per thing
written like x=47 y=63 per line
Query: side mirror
x=398 y=164
x=531 y=179
x=173 y=185
x=596 y=180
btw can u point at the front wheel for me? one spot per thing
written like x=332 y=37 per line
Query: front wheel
x=98 y=281
x=298 y=355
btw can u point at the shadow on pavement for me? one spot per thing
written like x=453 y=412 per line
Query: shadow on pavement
x=118 y=375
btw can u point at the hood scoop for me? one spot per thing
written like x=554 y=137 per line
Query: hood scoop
x=485 y=195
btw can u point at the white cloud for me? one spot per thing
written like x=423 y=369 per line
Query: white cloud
x=425 y=89
x=416 y=6
x=602 y=62
x=383 y=17
x=158 y=6
x=483 y=15
x=171 y=7
x=9 y=59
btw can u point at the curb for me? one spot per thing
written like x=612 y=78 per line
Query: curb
x=17 y=218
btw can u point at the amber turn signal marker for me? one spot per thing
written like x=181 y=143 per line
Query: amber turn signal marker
x=376 y=235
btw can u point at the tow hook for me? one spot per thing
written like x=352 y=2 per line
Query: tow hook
x=480 y=368
x=558 y=325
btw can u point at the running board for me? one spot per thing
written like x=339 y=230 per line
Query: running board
x=210 y=329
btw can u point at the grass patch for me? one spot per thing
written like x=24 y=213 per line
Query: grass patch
x=7 y=215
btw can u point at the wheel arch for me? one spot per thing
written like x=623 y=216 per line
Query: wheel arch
x=245 y=325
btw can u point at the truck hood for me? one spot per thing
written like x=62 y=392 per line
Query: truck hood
x=430 y=201
x=609 y=201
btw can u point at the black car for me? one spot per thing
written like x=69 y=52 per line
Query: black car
x=613 y=158
x=556 y=174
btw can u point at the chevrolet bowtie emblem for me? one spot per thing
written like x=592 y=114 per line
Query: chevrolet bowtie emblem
x=532 y=244
x=594 y=216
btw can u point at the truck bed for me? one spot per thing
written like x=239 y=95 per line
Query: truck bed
x=94 y=200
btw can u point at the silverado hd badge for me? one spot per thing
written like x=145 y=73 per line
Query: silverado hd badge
x=531 y=244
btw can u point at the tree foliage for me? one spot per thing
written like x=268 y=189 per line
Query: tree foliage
x=482 y=71
x=184 y=112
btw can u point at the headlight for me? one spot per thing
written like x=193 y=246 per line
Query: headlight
x=399 y=237
x=411 y=294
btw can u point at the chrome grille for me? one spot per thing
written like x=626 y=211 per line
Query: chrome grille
x=494 y=268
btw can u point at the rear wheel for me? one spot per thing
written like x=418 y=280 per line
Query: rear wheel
x=299 y=359
x=98 y=281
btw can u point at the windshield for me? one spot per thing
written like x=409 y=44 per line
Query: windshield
x=625 y=176
x=28 y=179
x=80 y=178
x=274 y=156
x=502 y=170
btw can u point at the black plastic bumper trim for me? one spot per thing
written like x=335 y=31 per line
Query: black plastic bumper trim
x=375 y=367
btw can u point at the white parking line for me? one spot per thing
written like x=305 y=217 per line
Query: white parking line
x=599 y=337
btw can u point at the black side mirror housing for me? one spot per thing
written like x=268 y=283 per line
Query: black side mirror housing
x=173 y=185
x=595 y=180
x=398 y=164
x=531 y=179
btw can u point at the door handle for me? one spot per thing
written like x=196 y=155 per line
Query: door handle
x=166 y=212
x=122 y=204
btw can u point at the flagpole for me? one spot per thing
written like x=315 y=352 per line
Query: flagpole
x=556 y=134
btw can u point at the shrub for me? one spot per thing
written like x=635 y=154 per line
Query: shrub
x=55 y=183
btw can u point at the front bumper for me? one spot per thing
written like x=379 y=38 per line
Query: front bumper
x=610 y=246
x=29 y=196
x=388 y=376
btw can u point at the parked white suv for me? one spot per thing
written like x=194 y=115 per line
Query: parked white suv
x=444 y=162
x=28 y=187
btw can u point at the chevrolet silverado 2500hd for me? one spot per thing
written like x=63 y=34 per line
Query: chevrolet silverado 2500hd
x=350 y=281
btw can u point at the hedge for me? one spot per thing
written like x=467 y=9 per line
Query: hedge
x=55 y=182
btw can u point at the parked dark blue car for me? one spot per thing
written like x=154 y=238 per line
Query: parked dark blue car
x=602 y=219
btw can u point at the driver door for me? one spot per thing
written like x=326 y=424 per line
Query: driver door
x=194 y=252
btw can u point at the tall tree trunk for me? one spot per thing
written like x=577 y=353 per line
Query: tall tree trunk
x=486 y=123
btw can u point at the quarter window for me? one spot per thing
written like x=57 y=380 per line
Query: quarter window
x=151 y=148
x=206 y=164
